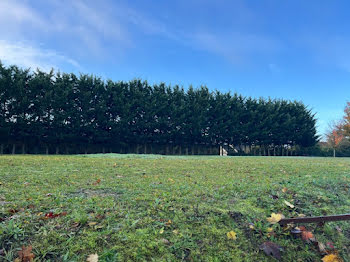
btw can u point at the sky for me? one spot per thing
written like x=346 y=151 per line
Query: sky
x=291 y=49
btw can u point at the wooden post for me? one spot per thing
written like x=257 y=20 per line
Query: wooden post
x=319 y=219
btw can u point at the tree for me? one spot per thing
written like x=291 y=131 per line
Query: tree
x=335 y=136
x=346 y=121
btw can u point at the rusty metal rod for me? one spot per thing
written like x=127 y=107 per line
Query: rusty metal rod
x=320 y=219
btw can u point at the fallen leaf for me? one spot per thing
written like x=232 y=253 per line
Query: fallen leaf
x=271 y=249
x=288 y=204
x=91 y=224
x=275 y=218
x=92 y=258
x=296 y=231
x=321 y=248
x=168 y=223
x=26 y=255
x=338 y=229
x=332 y=258
x=175 y=231
x=165 y=241
x=284 y=190
x=330 y=245
x=96 y=182
x=52 y=215
x=232 y=235
x=307 y=236
x=161 y=231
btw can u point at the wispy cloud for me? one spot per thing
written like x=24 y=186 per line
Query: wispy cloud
x=238 y=48
x=23 y=54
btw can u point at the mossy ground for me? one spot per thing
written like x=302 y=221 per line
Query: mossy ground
x=153 y=208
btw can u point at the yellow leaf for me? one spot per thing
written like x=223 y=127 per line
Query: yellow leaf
x=232 y=235
x=92 y=223
x=284 y=190
x=275 y=218
x=161 y=231
x=269 y=229
x=332 y=258
x=251 y=227
x=171 y=180
x=175 y=232
x=289 y=204
x=92 y=258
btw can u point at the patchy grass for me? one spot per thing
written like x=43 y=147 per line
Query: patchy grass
x=156 y=208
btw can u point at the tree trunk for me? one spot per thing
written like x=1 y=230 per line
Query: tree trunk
x=274 y=151
x=1 y=149
x=103 y=150
x=46 y=150
x=333 y=152
x=192 y=149
x=167 y=149
x=186 y=151
x=145 y=148
x=57 y=150
x=180 y=150
x=23 y=149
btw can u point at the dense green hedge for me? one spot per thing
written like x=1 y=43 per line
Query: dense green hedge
x=60 y=112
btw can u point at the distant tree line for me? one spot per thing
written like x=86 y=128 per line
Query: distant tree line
x=65 y=113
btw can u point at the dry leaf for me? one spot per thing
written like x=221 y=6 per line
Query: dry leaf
x=332 y=258
x=96 y=182
x=165 y=241
x=92 y=258
x=275 y=218
x=161 y=231
x=271 y=249
x=26 y=255
x=289 y=204
x=321 y=248
x=307 y=236
x=232 y=235
x=284 y=190
x=92 y=223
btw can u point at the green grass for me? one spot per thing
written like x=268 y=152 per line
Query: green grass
x=203 y=197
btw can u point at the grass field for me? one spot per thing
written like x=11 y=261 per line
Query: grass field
x=152 y=208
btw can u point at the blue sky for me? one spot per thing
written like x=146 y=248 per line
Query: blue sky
x=292 y=49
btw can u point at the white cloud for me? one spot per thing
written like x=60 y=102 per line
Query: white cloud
x=14 y=13
x=22 y=54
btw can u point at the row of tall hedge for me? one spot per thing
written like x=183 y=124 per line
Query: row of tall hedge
x=63 y=112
